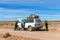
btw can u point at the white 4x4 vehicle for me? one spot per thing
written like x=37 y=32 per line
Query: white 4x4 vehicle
x=31 y=24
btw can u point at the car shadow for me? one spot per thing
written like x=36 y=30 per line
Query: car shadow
x=42 y=30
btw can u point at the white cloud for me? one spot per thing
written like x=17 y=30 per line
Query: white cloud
x=10 y=13
x=26 y=1
x=23 y=13
x=44 y=3
x=19 y=1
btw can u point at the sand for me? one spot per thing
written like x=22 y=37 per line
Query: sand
x=14 y=37
x=52 y=34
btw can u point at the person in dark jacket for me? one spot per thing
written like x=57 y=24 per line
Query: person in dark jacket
x=46 y=24
x=16 y=25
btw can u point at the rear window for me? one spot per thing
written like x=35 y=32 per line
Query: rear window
x=38 y=20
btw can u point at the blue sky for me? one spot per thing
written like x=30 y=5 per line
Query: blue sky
x=13 y=9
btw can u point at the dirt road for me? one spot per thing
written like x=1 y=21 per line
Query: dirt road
x=43 y=35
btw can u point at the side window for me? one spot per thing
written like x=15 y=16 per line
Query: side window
x=38 y=20
x=19 y=22
x=29 y=20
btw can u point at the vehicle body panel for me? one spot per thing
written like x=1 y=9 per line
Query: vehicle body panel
x=33 y=24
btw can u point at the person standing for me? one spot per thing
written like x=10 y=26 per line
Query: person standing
x=22 y=24
x=46 y=24
x=16 y=25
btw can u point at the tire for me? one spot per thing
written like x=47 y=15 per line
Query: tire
x=30 y=28
x=17 y=28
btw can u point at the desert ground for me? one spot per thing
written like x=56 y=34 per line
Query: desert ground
x=8 y=27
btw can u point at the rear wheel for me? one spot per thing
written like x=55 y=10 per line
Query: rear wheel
x=30 y=28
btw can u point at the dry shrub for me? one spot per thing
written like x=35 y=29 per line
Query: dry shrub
x=6 y=35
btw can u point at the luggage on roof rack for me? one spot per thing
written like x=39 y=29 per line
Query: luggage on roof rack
x=33 y=16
